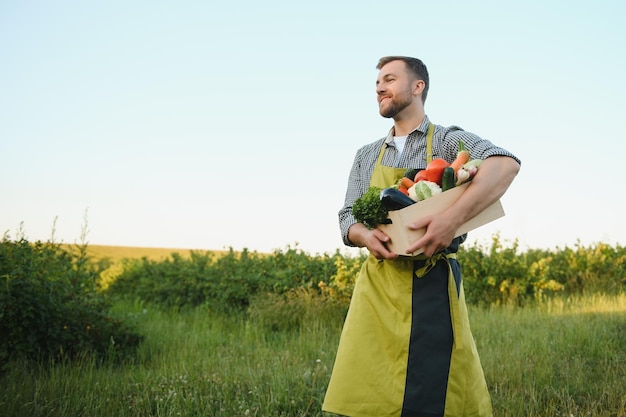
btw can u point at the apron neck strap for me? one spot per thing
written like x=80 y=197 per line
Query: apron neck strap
x=429 y=146
x=429 y=143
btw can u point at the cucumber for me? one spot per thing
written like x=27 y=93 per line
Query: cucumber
x=394 y=199
x=447 y=179
x=410 y=173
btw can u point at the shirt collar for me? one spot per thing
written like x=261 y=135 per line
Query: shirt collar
x=422 y=128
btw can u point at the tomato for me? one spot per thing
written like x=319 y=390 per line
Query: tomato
x=438 y=164
x=421 y=175
x=433 y=172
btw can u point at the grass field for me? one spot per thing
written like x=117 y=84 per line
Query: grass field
x=559 y=358
x=115 y=256
x=117 y=253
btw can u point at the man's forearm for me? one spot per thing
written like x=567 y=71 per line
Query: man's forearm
x=494 y=177
x=356 y=234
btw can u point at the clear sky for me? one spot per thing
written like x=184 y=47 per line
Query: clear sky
x=209 y=125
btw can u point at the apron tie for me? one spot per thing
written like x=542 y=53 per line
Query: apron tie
x=453 y=296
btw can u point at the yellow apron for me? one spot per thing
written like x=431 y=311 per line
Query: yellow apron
x=406 y=348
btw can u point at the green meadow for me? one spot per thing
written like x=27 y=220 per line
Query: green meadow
x=558 y=358
x=559 y=355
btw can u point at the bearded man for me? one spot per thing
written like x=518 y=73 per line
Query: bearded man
x=406 y=349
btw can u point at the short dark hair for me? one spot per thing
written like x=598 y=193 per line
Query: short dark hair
x=415 y=66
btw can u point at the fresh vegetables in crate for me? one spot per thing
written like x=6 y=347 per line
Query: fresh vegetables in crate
x=416 y=185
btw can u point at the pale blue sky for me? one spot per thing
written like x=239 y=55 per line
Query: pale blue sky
x=207 y=125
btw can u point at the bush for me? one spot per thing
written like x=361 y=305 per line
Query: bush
x=222 y=283
x=501 y=274
x=50 y=307
x=498 y=273
x=178 y=282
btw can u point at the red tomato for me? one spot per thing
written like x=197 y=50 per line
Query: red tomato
x=421 y=175
x=438 y=164
x=433 y=172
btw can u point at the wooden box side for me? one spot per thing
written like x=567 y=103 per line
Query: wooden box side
x=402 y=237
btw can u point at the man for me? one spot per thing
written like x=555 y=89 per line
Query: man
x=406 y=348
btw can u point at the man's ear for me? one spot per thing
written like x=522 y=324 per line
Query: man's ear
x=418 y=87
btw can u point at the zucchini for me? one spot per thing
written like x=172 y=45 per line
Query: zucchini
x=447 y=180
x=393 y=199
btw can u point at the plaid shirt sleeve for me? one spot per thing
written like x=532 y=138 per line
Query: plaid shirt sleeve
x=358 y=183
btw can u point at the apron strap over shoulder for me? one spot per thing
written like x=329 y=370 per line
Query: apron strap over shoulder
x=429 y=143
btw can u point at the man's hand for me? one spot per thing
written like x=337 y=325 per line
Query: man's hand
x=493 y=178
x=439 y=234
x=373 y=239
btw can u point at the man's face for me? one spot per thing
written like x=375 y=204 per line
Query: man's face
x=393 y=89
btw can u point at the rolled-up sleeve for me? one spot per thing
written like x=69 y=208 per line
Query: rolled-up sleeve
x=358 y=183
x=478 y=147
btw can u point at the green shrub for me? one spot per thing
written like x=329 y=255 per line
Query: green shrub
x=503 y=274
x=179 y=282
x=498 y=273
x=50 y=307
x=221 y=283
x=172 y=282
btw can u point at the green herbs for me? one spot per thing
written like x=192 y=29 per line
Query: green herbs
x=369 y=210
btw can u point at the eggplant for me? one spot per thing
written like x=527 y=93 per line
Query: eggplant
x=393 y=199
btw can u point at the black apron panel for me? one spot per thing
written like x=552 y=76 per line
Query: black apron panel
x=431 y=341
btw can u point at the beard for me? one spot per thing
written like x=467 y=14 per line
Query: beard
x=395 y=106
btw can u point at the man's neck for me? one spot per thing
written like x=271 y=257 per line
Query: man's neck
x=404 y=126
